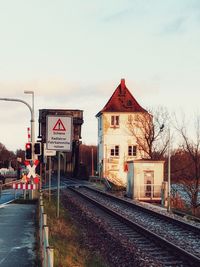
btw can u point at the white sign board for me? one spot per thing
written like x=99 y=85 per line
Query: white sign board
x=47 y=152
x=59 y=133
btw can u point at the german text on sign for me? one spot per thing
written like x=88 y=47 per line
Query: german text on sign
x=59 y=133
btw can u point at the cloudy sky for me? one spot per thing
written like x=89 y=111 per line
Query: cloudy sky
x=74 y=53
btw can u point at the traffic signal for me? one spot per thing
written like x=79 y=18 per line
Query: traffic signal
x=28 y=151
x=37 y=149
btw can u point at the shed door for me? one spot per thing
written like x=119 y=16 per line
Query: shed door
x=148 y=183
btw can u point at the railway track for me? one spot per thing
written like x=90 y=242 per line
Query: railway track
x=161 y=237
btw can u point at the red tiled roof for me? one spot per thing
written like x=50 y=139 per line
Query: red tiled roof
x=122 y=101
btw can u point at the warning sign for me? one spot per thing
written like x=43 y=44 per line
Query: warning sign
x=59 y=133
x=59 y=126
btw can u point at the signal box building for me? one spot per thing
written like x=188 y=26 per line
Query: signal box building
x=116 y=143
x=70 y=163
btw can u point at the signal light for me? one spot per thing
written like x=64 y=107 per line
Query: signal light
x=37 y=149
x=28 y=151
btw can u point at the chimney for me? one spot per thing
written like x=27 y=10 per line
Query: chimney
x=122 y=87
x=123 y=84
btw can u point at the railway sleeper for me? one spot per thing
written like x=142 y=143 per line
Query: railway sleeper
x=138 y=238
x=151 y=249
x=182 y=263
x=174 y=263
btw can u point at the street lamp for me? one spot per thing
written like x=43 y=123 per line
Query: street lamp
x=32 y=119
x=32 y=122
x=169 y=168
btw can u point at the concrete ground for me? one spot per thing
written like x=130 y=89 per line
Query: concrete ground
x=17 y=235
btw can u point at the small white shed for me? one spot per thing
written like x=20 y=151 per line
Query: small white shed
x=144 y=179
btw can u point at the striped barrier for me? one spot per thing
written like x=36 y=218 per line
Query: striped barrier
x=24 y=186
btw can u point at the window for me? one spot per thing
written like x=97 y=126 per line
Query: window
x=114 y=151
x=129 y=103
x=114 y=121
x=132 y=150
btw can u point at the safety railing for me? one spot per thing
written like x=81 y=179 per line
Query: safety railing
x=47 y=252
x=5 y=187
x=150 y=191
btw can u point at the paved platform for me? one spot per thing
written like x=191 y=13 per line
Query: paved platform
x=17 y=235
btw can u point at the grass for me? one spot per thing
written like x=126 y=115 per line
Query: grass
x=65 y=237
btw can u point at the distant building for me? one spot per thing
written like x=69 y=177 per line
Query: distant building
x=71 y=163
x=116 y=143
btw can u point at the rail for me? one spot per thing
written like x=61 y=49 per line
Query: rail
x=47 y=252
x=175 y=251
x=146 y=210
x=104 y=180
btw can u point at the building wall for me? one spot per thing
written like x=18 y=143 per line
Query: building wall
x=109 y=136
x=141 y=172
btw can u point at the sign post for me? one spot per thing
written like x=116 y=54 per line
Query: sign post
x=58 y=187
x=48 y=154
x=59 y=138
x=49 y=179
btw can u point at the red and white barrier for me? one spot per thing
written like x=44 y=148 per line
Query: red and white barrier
x=24 y=186
x=29 y=134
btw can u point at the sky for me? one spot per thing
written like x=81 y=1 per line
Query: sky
x=73 y=54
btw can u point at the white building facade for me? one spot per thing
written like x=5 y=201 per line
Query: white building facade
x=116 y=143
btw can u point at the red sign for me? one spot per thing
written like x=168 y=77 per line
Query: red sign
x=125 y=167
x=31 y=172
x=59 y=126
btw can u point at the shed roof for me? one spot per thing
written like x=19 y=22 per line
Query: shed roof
x=121 y=101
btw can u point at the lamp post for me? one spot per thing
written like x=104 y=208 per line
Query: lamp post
x=22 y=101
x=32 y=123
x=32 y=120
x=169 y=173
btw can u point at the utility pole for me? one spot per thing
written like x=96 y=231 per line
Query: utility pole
x=92 y=162
x=169 y=173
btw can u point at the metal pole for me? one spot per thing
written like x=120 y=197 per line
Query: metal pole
x=92 y=163
x=31 y=110
x=45 y=171
x=169 y=173
x=32 y=120
x=32 y=133
x=49 y=179
x=58 y=187
x=32 y=123
x=0 y=188
x=41 y=176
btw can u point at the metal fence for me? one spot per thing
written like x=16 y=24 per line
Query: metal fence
x=47 y=252
x=150 y=191
x=5 y=188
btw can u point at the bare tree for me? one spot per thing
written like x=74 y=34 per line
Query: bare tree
x=191 y=145
x=5 y=156
x=149 y=130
